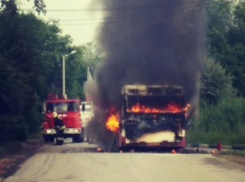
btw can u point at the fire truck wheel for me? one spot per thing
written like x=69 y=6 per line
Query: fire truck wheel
x=59 y=142
x=46 y=138
x=51 y=139
x=79 y=138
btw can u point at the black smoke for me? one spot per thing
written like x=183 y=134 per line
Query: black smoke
x=149 y=42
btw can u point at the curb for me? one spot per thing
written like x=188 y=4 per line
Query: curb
x=233 y=147
x=226 y=147
x=197 y=145
x=238 y=147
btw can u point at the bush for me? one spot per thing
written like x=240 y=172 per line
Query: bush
x=216 y=83
x=224 y=122
x=12 y=128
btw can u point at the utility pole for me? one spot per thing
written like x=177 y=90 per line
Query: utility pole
x=64 y=73
x=63 y=77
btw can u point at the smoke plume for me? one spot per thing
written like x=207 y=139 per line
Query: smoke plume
x=149 y=42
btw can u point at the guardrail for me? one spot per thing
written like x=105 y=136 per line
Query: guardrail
x=228 y=147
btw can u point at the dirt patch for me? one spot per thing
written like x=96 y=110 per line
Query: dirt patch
x=13 y=154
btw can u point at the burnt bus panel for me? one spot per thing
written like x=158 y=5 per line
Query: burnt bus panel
x=154 y=90
x=139 y=125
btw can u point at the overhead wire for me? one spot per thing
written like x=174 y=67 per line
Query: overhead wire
x=110 y=18
x=186 y=10
x=122 y=8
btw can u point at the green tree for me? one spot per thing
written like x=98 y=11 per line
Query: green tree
x=235 y=58
x=219 y=22
x=226 y=39
x=30 y=52
x=31 y=67
x=11 y=6
x=215 y=83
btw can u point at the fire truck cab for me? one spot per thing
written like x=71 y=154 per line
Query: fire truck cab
x=153 y=116
x=69 y=111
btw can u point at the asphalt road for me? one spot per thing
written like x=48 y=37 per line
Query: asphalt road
x=78 y=163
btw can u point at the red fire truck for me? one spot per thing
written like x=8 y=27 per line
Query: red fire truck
x=69 y=111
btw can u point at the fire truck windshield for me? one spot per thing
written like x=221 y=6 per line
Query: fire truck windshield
x=63 y=107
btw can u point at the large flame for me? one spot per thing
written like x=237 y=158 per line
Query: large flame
x=112 y=122
x=170 y=108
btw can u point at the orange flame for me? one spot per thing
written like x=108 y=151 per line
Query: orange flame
x=170 y=108
x=112 y=123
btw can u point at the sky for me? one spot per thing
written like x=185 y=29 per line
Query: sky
x=78 y=18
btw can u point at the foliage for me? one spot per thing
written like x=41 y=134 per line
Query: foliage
x=224 y=122
x=223 y=79
x=219 y=23
x=226 y=39
x=215 y=83
x=40 y=6
x=31 y=63
x=13 y=128
x=11 y=6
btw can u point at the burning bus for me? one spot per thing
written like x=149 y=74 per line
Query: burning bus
x=150 y=116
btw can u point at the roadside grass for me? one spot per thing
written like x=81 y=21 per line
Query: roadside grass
x=224 y=122
x=235 y=138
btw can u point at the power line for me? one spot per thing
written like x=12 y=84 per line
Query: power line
x=186 y=10
x=124 y=8
x=95 y=19
x=123 y=18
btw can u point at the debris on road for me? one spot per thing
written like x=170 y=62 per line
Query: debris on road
x=173 y=152
x=100 y=150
